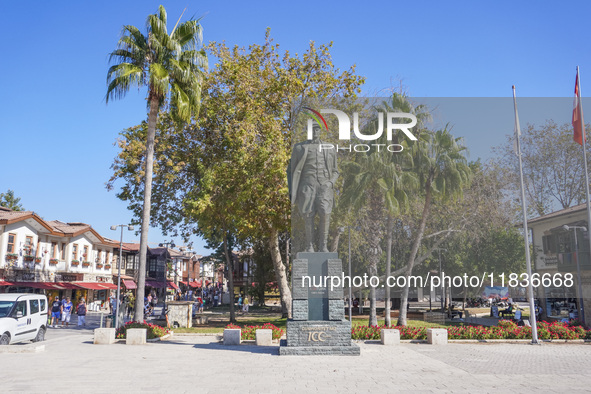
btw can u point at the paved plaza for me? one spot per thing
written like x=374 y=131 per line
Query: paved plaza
x=200 y=364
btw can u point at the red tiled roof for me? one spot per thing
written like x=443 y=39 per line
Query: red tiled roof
x=7 y=214
x=68 y=228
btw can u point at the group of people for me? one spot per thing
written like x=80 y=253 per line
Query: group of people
x=62 y=311
x=243 y=303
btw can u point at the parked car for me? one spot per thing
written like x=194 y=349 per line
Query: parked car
x=23 y=317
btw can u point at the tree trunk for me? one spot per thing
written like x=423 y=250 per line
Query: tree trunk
x=230 y=263
x=280 y=274
x=141 y=281
x=334 y=242
x=389 y=225
x=413 y=255
x=373 y=317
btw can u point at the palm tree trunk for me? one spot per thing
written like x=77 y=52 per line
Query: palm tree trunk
x=230 y=263
x=141 y=282
x=280 y=274
x=413 y=255
x=388 y=267
x=373 y=316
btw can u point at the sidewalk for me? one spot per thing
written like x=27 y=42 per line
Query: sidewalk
x=201 y=364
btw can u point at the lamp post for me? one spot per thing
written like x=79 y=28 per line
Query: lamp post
x=118 y=303
x=441 y=276
x=172 y=245
x=342 y=229
x=580 y=288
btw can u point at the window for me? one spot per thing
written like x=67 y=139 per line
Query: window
x=11 y=241
x=75 y=252
x=63 y=251
x=54 y=250
x=99 y=255
x=130 y=261
x=85 y=253
x=21 y=306
x=152 y=264
x=43 y=305
x=34 y=306
x=28 y=245
x=184 y=266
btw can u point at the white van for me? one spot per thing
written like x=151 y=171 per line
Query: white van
x=23 y=317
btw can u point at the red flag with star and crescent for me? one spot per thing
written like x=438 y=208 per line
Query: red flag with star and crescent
x=578 y=114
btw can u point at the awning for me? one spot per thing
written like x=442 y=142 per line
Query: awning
x=195 y=284
x=129 y=284
x=156 y=284
x=3 y=283
x=183 y=282
x=96 y=286
x=172 y=285
x=67 y=285
x=36 y=285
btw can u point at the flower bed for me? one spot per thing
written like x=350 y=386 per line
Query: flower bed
x=248 y=332
x=153 y=331
x=505 y=330
x=53 y=261
x=28 y=257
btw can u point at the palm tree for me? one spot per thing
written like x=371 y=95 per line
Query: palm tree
x=399 y=102
x=443 y=171
x=170 y=66
x=375 y=180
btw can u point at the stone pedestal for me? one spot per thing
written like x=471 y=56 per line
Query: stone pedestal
x=318 y=324
x=180 y=313
x=390 y=336
x=264 y=337
x=232 y=336
x=104 y=336
x=437 y=336
x=136 y=336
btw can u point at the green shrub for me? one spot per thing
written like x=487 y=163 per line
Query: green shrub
x=249 y=332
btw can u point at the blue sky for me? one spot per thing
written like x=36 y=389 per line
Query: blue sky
x=57 y=133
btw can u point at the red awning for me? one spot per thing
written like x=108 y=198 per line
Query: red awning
x=184 y=283
x=36 y=285
x=129 y=284
x=3 y=283
x=67 y=285
x=195 y=284
x=172 y=285
x=96 y=286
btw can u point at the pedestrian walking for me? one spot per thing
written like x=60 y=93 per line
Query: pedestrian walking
x=245 y=304
x=81 y=312
x=56 y=307
x=67 y=307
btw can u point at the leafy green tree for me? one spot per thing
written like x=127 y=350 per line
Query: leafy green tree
x=170 y=66
x=8 y=200
x=553 y=167
x=443 y=171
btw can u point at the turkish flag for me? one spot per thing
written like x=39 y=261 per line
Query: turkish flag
x=578 y=114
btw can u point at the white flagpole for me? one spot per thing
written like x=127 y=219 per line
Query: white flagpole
x=530 y=290
x=584 y=137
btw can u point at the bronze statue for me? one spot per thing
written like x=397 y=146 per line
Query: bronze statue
x=312 y=174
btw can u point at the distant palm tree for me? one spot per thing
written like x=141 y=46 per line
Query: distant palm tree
x=442 y=169
x=400 y=102
x=376 y=181
x=170 y=66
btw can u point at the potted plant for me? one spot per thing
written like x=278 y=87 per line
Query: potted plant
x=11 y=256
x=75 y=262
x=37 y=260
x=99 y=265
x=108 y=266
x=85 y=263
x=53 y=261
x=29 y=257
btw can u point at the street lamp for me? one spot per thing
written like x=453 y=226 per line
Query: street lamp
x=172 y=246
x=441 y=275
x=117 y=312
x=581 y=306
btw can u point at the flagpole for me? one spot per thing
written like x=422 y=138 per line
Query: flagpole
x=530 y=289
x=583 y=137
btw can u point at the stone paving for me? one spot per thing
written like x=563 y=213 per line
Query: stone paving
x=201 y=364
